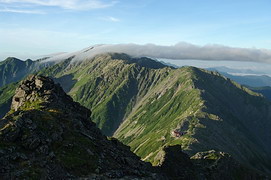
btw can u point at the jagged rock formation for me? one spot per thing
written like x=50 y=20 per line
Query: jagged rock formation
x=48 y=136
x=42 y=90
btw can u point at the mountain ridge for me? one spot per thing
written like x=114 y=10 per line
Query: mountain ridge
x=125 y=88
x=143 y=106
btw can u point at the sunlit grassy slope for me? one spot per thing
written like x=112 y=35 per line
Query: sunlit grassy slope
x=141 y=102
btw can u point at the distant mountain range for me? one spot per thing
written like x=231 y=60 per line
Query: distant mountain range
x=254 y=80
x=246 y=77
x=149 y=106
x=232 y=70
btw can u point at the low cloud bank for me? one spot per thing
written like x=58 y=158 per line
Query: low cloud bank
x=179 y=51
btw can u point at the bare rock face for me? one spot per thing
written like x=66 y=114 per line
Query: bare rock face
x=48 y=136
x=39 y=88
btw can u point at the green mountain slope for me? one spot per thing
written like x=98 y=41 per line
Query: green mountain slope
x=108 y=85
x=6 y=94
x=142 y=103
x=13 y=69
x=212 y=113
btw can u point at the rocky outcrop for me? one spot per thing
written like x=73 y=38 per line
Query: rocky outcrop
x=48 y=136
x=203 y=165
x=42 y=90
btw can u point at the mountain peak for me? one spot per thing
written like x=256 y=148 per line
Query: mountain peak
x=141 y=61
x=12 y=59
x=41 y=92
x=36 y=89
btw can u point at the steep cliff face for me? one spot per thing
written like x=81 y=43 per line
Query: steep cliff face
x=47 y=135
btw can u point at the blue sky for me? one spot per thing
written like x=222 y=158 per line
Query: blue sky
x=30 y=28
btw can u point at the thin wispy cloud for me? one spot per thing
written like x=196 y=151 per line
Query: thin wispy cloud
x=110 y=18
x=113 y=19
x=63 y=4
x=22 y=11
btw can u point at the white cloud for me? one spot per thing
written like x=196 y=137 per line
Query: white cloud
x=110 y=18
x=22 y=11
x=114 y=19
x=64 y=4
x=180 y=51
